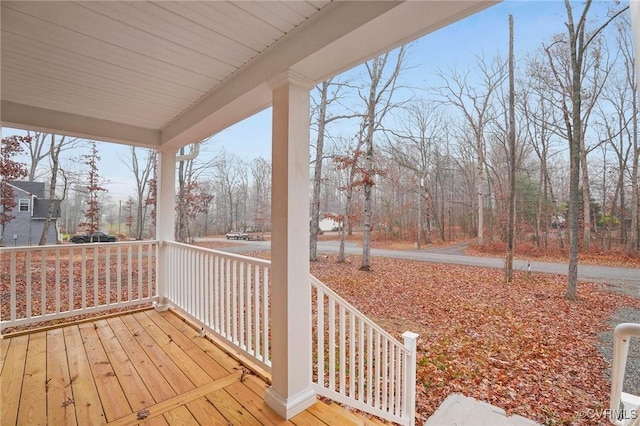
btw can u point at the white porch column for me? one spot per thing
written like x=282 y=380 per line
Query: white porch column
x=165 y=220
x=290 y=392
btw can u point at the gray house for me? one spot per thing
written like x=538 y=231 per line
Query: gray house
x=30 y=213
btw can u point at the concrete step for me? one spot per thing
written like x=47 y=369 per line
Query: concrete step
x=458 y=409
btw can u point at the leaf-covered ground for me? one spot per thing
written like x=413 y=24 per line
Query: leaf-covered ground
x=595 y=256
x=522 y=346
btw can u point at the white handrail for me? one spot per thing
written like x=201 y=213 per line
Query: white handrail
x=358 y=363
x=58 y=281
x=629 y=413
x=227 y=293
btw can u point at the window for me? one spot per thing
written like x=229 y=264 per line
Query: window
x=24 y=204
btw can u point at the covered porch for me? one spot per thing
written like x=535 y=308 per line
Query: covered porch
x=163 y=76
x=211 y=295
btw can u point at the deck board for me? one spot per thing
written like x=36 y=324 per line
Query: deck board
x=168 y=405
x=213 y=351
x=156 y=421
x=180 y=416
x=33 y=407
x=85 y=393
x=196 y=374
x=114 y=402
x=197 y=349
x=108 y=370
x=255 y=404
x=132 y=384
x=155 y=382
x=331 y=417
x=60 y=402
x=11 y=379
x=163 y=362
x=4 y=348
x=234 y=412
x=205 y=412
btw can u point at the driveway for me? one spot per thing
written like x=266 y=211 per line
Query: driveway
x=629 y=278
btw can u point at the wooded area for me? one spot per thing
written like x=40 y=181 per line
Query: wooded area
x=419 y=164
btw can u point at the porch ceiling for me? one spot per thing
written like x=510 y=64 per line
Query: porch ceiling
x=164 y=74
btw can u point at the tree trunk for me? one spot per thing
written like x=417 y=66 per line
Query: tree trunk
x=54 y=154
x=634 y=232
x=346 y=223
x=480 y=185
x=586 y=196
x=418 y=241
x=368 y=186
x=575 y=145
x=317 y=173
x=512 y=162
x=182 y=225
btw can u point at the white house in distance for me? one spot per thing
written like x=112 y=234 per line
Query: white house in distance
x=328 y=224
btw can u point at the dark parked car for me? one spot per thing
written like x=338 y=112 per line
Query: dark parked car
x=96 y=237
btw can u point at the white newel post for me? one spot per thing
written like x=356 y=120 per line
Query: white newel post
x=411 y=343
x=290 y=392
x=165 y=221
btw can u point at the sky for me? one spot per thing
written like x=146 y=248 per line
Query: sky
x=485 y=33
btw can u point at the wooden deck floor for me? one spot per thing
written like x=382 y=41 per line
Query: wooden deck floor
x=142 y=368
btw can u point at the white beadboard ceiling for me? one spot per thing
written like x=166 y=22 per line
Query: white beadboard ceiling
x=167 y=73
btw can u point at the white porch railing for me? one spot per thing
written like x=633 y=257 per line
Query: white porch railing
x=42 y=283
x=228 y=294
x=624 y=409
x=355 y=361
x=358 y=363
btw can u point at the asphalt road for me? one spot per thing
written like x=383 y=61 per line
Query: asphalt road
x=630 y=277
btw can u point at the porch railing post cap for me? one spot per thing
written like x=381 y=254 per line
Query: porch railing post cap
x=410 y=335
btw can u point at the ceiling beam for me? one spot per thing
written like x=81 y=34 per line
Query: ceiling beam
x=400 y=25
x=44 y=120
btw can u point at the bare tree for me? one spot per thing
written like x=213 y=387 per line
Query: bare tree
x=189 y=190
x=474 y=101
x=512 y=161
x=578 y=41
x=414 y=148
x=141 y=173
x=150 y=199
x=230 y=173
x=378 y=102
x=329 y=92
x=55 y=148
x=38 y=150
x=348 y=161
x=625 y=47
x=619 y=119
x=261 y=175
x=540 y=120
